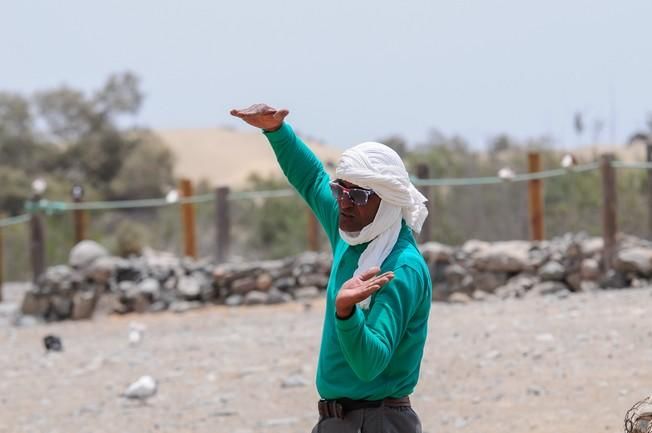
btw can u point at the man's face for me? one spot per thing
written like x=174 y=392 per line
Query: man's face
x=354 y=217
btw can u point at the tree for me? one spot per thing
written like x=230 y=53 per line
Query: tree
x=146 y=172
x=397 y=143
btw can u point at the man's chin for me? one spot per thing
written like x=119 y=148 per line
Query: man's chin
x=349 y=229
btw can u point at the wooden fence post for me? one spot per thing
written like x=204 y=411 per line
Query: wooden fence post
x=188 y=219
x=222 y=224
x=609 y=206
x=37 y=241
x=313 y=231
x=423 y=172
x=2 y=260
x=535 y=198
x=79 y=216
x=649 y=187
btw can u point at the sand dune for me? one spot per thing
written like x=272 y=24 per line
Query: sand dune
x=227 y=156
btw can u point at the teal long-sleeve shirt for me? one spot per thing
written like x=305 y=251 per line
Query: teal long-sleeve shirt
x=376 y=353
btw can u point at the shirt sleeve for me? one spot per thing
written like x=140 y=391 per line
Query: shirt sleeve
x=306 y=174
x=369 y=343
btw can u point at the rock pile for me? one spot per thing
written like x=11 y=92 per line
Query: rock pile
x=571 y=263
x=159 y=281
x=476 y=270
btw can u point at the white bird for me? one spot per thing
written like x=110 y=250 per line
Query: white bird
x=142 y=389
x=172 y=196
x=568 y=161
x=136 y=332
x=506 y=173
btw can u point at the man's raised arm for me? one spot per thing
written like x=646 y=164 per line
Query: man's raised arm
x=299 y=164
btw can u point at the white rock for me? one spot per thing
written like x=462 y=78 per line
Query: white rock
x=545 y=338
x=592 y=246
x=459 y=298
x=474 y=246
x=189 y=287
x=434 y=252
x=511 y=256
x=85 y=253
x=635 y=259
x=552 y=271
x=294 y=381
x=590 y=269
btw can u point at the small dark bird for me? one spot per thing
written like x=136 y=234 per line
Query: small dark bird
x=52 y=343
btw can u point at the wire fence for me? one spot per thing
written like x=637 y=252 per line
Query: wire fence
x=456 y=215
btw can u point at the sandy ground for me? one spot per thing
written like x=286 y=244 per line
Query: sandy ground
x=537 y=365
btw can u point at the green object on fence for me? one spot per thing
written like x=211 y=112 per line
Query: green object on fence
x=639 y=165
x=14 y=220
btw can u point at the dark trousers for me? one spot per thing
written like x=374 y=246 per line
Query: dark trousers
x=376 y=420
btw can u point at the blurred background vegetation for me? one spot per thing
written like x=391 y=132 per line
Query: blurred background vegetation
x=70 y=137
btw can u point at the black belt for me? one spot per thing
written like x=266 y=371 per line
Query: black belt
x=340 y=407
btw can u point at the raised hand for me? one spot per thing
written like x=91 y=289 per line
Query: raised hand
x=262 y=116
x=360 y=288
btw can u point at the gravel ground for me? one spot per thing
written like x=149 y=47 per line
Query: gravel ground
x=542 y=365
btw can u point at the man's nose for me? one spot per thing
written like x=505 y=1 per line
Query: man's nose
x=346 y=202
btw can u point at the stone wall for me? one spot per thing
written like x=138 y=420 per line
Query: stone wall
x=479 y=270
x=474 y=271
x=159 y=281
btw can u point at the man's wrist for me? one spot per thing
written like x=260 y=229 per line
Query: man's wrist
x=344 y=314
x=274 y=129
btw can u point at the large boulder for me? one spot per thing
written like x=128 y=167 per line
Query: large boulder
x=592 y=246
x=590 y=269
x=35 y=304
x=552 y=271
x=57 y=279
x=83 y=304
x=458 y=279
x=474 y=246
x=547 y=288
x=511 y=256
x=634 y=259
x=85 y=253
x=102 y=269
x=489 y=281
x=189 y=287
x=434 y=252
x=517 y=286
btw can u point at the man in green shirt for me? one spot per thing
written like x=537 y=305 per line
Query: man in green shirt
x=379 y=292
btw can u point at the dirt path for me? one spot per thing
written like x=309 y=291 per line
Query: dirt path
x=537 y=365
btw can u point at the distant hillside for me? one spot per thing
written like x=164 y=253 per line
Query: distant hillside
x=228 y=156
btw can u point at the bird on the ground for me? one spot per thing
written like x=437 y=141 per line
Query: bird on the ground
x=52 y=343
x=142 y=389
x=136 y=333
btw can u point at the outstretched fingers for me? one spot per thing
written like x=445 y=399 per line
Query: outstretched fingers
x=375 y=284
x=282 y=113
x=256 y=110
x=383 y=278
x=369 y=273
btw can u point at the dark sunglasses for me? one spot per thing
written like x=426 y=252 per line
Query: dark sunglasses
x=358 y=196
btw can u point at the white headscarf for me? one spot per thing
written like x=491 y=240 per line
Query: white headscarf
x=378 y=167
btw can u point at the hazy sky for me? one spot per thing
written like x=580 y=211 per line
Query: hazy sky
x=353 y=70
